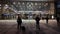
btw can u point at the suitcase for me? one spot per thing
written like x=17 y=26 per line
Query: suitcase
x=23 y=28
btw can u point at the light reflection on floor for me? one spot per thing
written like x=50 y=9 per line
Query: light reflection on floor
x=10 y=27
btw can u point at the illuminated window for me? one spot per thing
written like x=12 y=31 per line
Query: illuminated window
x=35 y=6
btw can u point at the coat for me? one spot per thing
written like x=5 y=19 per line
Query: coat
x=37 y=19
x=19 y=20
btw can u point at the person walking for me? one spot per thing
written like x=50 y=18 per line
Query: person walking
x=47 y=19
x=37 y=19
x=19 y=21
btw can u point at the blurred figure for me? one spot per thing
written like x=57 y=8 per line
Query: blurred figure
x=37 y=21
x=47 y=19
x=58 y=23
x=57 y=19
x=23 y=29
x=2 y=16
x=19 y=21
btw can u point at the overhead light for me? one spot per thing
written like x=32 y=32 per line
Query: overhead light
x=18 y=2
x=23 y=3
x=52 y=16
x=14 y=3
x=35 y=3
x=6 y=5
x=29 y=5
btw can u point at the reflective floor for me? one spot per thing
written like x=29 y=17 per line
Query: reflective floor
x=10 y=27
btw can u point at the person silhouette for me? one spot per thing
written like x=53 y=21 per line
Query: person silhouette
x=37 y=19
x=57 y=18
x=47 y=19
x=19 y=21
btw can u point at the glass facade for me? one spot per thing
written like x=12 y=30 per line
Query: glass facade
x=31 y=6
x=28 y=9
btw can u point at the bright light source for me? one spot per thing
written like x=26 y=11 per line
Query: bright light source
x=6 y=5
x=52 y=16
x=29 y=5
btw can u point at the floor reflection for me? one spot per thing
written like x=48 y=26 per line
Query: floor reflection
x=38 y=30
x=21 y=30
x=58 y=24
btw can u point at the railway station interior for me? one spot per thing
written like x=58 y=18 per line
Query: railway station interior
x=28 y=9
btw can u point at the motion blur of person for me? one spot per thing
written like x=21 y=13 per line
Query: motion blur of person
x=47 y=19
x=2 y=16
x=19 y=21
x=57 y=18
x=37 y=20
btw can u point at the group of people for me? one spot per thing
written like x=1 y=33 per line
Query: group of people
x=37 y=19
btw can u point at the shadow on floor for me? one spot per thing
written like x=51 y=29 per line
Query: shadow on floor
x=58 y=24
x=21 y=30
x=38 y=30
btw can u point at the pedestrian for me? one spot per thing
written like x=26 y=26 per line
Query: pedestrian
x=19 y=21
x=47 y=19
x=2 y=16
x=37 y=19
x=57 y=18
